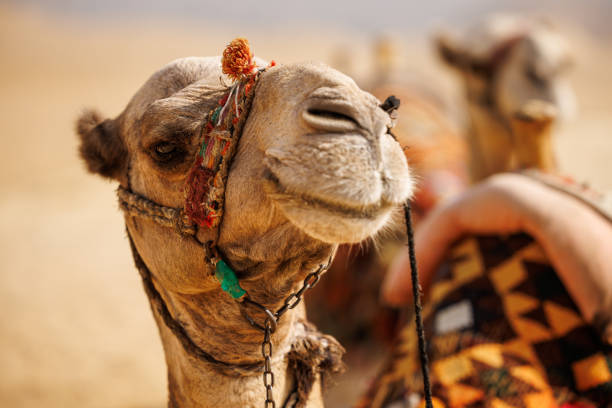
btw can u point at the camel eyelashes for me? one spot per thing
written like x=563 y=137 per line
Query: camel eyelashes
x=165 y=148
x=166 y=152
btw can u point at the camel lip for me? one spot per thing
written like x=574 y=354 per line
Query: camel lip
x=278 y=192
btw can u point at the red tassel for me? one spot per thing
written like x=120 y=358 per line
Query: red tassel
x=237 y=59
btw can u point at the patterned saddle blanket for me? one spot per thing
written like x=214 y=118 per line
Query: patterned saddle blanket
x=502 y=332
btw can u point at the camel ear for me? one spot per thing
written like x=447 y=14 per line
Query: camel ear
x=449 y=51
x=101 y=146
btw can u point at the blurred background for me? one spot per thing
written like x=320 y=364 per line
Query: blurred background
x=76 y=328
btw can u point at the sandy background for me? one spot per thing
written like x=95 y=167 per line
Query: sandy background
x=76 y=329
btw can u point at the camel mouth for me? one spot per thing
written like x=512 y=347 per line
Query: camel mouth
x=536 y=111
x=288 y=198
x=326 y=219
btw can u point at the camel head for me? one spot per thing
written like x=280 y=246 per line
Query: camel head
x=509 y=65
x=315 y=166
x=507 y=61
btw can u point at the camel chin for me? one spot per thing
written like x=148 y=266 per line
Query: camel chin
x=332 y=227
x=331 y=216
x=331 y=222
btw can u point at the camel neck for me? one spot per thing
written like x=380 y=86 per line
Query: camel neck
x=521 y=143
x=490 y=142
x=209 y=345
x=533 y=143
x=234 y=378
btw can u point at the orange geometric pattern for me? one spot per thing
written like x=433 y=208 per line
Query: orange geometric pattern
x=502 y=332
x=591 y=372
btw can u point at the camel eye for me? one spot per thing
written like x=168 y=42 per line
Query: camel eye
x=165 y=152
x=165 y=148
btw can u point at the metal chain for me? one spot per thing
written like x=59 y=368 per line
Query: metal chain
x=270 y=324
x=268 y=375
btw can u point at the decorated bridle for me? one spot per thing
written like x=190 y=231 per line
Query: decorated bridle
x=204 y=203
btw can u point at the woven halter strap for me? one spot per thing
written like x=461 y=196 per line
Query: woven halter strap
x=220 y=134
x=137 y=205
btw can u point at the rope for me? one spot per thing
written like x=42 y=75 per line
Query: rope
x=137 y=205
x=418 y=308
x=390 y=105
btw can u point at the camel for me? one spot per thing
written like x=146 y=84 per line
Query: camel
x=315 y=166
x=505 y=62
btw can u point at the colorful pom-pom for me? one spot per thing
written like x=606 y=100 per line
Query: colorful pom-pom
x=237 y=59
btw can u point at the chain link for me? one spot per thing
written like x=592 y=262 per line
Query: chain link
x=270 y=324
x=268 y=375
x=296 y=297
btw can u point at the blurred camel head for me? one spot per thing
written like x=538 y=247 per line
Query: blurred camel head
x=315 y=166
x=506 y=64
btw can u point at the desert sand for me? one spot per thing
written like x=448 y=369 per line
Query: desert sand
x=76 y=329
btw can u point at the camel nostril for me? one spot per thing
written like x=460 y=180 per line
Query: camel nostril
x=331 y=117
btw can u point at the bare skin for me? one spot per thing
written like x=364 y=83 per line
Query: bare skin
x=315 y=167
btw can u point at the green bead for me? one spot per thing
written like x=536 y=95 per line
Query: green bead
x=229 y=282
